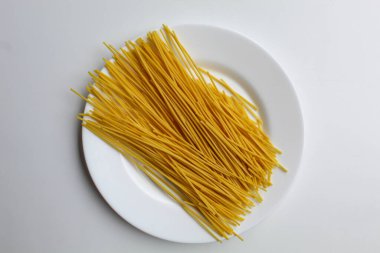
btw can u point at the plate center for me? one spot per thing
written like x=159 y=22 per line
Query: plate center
x=235 y=81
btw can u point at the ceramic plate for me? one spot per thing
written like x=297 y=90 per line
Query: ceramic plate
x=254 y=74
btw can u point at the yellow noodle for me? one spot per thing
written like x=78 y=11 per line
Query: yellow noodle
x=204 y=146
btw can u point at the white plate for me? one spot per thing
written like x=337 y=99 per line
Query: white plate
x=254 y=74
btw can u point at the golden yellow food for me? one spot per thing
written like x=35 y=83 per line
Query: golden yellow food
x=187 y=130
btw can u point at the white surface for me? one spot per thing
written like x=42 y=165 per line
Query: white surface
x=251 y=72
x=329 y=49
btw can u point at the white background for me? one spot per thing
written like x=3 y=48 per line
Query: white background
x=329 y=49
